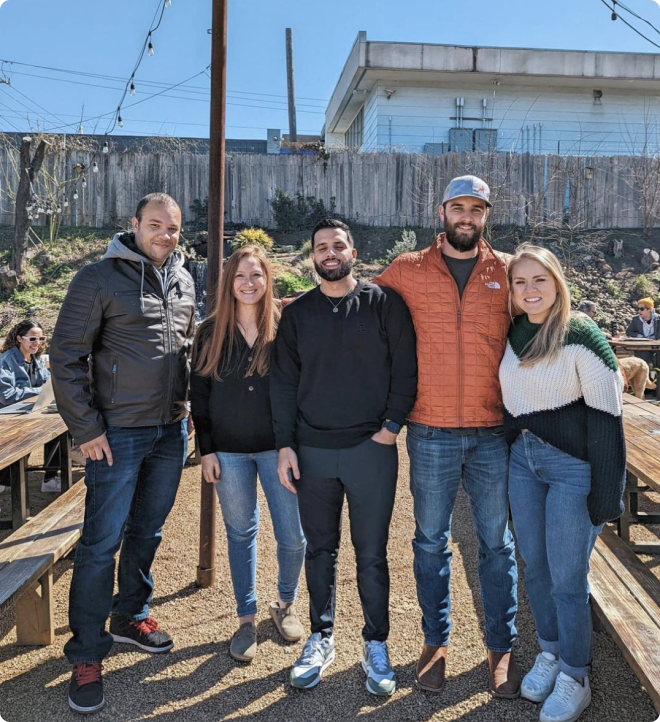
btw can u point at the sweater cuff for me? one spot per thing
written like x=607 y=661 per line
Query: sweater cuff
x=283 y=441
x=396 y=416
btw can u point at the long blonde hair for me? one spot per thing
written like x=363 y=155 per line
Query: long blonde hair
x=218 y=332
x=550 y=338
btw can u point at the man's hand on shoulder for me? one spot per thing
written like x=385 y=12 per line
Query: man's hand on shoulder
x=287 y=468
x=96 y=448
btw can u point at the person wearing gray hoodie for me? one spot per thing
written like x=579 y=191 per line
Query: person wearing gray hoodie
x=120 y=367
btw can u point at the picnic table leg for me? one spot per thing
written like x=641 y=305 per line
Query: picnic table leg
x=624 y=520
x=34 y=613
x=20 y=499
x=65 y=461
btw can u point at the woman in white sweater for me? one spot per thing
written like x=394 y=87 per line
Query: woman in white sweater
x=561 y=389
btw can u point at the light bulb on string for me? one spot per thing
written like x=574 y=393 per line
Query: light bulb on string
x=59 y=209
x=106 y=147
x=75 y=195
x=84 y=182
x=95 y=167
x=49 y=211
x=168 y=3
x=65 y=202
x=120 y=121
x=614 y=14
x=132 y=88
x=150 y=47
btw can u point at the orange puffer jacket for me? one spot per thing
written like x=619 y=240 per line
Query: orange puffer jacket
x=460 y=342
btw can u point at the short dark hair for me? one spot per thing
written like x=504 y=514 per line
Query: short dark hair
x=161 y=198
x=332 y=223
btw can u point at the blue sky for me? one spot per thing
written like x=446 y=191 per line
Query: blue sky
x=93 y=38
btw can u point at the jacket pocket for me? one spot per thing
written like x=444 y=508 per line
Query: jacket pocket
x=113 y=390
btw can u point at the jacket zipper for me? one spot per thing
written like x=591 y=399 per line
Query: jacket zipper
x=114 y=381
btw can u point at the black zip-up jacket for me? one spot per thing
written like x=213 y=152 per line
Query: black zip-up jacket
x=119 y=354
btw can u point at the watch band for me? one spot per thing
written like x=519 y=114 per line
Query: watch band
x=391 y=426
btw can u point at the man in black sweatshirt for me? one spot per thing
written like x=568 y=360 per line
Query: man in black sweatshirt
x=343 y=380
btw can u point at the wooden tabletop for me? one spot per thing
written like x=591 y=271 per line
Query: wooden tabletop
x=22 y=433
x=641 y=344
x=641 y=423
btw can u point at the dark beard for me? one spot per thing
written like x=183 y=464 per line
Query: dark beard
x=336 y=274
x=459 y=241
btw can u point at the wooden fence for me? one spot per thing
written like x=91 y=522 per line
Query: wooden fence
x=380 y=189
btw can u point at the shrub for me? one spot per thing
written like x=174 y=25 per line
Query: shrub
x=612 y=289
x=408 y=242
x=252 y=237
x=308 y=271
x=288 y=283
x=640 y=287
x=297 y=213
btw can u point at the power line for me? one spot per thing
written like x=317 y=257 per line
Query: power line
x=616 y=16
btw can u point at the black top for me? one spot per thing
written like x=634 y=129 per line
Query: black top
x=232 y=415
x=461 y=270
x=336 y=377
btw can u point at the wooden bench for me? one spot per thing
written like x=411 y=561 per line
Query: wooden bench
x=625 y=596
x=26 y=564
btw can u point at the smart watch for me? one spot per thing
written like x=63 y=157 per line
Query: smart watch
x=391 y=426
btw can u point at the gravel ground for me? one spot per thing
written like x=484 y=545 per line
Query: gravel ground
x=199 y=681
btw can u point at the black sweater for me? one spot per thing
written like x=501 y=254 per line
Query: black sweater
x=336 y=377
x=232 y=415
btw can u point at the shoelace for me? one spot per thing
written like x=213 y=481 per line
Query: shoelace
x=564 y=689
x=544 y=666
x=145 y=626
x=87 y=672
x=378 y=654
x=313 y=647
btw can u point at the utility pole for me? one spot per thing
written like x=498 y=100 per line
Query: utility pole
x=293 y=132
x=207 y=522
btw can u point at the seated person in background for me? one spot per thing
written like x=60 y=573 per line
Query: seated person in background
x=588 y=308
x=646 y=325
x=22 y=375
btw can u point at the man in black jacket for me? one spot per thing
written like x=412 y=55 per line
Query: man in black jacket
x=343 y=380
x=119 y=362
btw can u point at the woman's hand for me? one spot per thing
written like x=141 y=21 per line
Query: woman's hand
x=210 y=468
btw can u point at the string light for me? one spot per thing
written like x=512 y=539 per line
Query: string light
x=75 y=195
x=132 y=88
x=150 y=51
x=84 y=182
x=65 y=202
x=168 y=3
x=614 y=15
x=120 y=121
x=106 y=147
x=95 y=167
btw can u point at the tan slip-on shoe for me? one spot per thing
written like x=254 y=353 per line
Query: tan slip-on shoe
x=243 y=645
x=287 y=622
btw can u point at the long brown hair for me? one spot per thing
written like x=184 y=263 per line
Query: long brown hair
x=550 y=338
x=217 y=334
x=20 y=329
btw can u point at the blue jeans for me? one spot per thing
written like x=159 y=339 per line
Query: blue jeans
x=439 y=460
x=548 y=490
x=237 y=492
x=126 y=505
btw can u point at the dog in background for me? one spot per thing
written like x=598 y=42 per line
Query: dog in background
x=635 y=375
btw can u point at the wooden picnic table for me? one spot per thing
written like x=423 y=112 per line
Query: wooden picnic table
x=641 y=423
x=636 y=344
x=20 y=434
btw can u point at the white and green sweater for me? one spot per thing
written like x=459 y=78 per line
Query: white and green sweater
x=572 y=402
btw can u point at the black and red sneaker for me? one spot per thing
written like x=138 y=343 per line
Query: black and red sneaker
x=86 y=688
x=144 y=634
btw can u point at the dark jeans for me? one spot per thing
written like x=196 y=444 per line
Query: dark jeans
x=126 y=505
x=367 y=475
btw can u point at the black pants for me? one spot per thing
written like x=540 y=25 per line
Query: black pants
x=367 y=475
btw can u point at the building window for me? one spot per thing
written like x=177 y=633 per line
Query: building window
x=355 y=132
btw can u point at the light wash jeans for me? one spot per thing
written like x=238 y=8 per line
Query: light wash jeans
x=548 y=491
x=237 y=492
x=439 y=460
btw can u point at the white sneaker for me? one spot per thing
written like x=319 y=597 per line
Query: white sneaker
x=317 y=655
x=53 y=485
x=3 y=489
x=376 y=664
x=568 y=700
x=540 y=680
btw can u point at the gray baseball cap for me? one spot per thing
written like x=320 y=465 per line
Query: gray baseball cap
x=467 y=185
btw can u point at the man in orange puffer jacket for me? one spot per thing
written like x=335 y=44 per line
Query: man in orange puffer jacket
x=456 y=291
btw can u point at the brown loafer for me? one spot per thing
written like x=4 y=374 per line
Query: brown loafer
x=243 y=645
x=287 y=622
x=504 y=675
x=430 y=670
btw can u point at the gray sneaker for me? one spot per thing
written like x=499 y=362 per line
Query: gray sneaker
x=376 y=665
x=317 y=655
x=243 y=646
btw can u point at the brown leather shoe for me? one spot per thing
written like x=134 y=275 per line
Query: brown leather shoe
x=430 y=670
x=504 y=675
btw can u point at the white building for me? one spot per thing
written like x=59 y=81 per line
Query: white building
x=436 y=98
